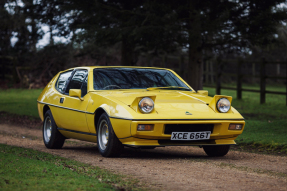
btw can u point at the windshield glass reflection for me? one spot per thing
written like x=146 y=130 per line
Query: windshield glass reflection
x=136 y=78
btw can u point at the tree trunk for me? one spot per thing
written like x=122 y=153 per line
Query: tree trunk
x=195 y=67
x=51 y=36
x=34 y=35
x=195 y=64
x=127 y=53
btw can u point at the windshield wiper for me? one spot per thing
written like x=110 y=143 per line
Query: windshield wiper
x=169 y=88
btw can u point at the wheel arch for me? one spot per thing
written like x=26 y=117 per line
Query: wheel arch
x=120 y=127
x=113 y=147
x=45 y=109
x=98 y=114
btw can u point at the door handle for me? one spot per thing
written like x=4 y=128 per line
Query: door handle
x=61 y=100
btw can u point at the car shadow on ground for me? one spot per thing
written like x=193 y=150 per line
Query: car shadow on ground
x=157 y=153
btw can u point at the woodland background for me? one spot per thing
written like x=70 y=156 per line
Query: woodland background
x=190 y=35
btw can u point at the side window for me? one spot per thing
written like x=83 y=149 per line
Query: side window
x=62 y=81
x=84 y=87
x=77 y=80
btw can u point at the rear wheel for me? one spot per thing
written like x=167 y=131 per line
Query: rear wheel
x=108 y=143
x=216 y=150
x=53 y=139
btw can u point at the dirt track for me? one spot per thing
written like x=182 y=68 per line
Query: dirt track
x=169 y=168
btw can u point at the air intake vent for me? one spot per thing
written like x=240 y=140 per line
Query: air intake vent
x=169 y=128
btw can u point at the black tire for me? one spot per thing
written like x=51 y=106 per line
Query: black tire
x=108 y=144
x=216 y=150
x=52 y=138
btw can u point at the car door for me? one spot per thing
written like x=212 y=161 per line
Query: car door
x=71 y=113
x=56 y=97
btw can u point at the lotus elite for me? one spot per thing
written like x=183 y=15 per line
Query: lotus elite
x=141 y=107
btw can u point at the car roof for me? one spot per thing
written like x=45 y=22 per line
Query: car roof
x=93 y=67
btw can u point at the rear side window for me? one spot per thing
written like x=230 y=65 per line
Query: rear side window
x=62 y=81
x=77 y=80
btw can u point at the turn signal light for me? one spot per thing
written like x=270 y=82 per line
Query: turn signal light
x=145 y=127
x=235 y=127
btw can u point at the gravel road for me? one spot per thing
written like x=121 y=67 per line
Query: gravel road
x=169 y=168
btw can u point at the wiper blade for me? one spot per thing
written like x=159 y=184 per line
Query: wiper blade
x=169 y=88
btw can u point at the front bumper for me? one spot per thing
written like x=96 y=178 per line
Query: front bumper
x=219 y=136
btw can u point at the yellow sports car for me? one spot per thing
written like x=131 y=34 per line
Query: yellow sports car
x=136 y=107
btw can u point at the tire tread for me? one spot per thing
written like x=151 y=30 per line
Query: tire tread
x=216 y=150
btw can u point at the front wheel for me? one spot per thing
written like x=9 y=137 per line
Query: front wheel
x=108 y=143
x=53 y=139
x=216 y=150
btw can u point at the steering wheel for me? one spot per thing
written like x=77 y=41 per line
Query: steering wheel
x=112 y=86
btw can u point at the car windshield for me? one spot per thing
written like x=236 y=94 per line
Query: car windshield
x=136 y=78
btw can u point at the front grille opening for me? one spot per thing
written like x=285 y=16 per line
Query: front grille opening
x=169 y=128
x=186 y=142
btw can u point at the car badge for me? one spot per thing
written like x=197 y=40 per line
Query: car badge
x=187 y=113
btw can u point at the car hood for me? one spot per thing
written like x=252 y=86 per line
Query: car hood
x=172 y=104
x=163 y=97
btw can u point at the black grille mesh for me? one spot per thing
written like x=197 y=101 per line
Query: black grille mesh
x=169 y=128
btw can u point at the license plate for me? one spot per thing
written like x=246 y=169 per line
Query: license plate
x=190 y=135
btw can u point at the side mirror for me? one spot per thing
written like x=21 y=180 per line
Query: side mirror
x=203 y=92
x=76 y=93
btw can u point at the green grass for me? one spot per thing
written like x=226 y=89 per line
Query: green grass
x=250 y=107
x=266 y=124
x=20 y=101
x=26 y=169
x=273 y=132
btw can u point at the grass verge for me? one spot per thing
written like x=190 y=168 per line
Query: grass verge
x=27 y=169
x=20 y=101
x=266 y=125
